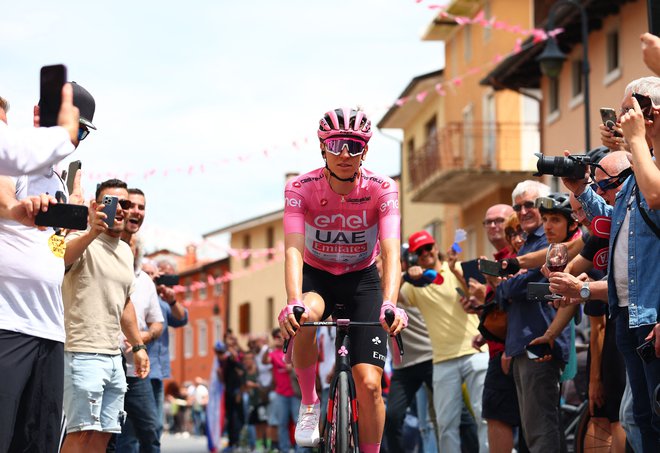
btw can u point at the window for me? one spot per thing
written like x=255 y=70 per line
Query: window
x=202 y=338
x=189 y=294
x=431 y=131
x=490 y=129
x=203 y=294
x=217 y=287
x=217 y=328
x=172 y=334
x=270 y=313
x=487 y=16
x=270 y=243
x=468 y=135
x=576 y=78
x=467 y=42
x=553 y=96
x=612 y=56
x=435 y=229
x=244 y=318
x=246 y=250
x=188 y=342
x=411 y=147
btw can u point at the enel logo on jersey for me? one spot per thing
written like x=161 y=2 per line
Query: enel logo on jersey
x=341 y=221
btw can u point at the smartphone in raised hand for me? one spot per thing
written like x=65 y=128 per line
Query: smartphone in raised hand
x=608 y=116
x=71 y=174
x=110 y=209
x=52 y=80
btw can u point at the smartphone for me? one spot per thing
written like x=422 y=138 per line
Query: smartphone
x=471 y=270
x=646 y=351
x=538 y=351
x=110 y=209
x=653 y=8
x=538 y=291
x=489 y=267
x=52 y=80
x=167 y=280
x=645 y=104
x=71 y=174
x=608 y=115
x=62 y=215
x=461 y=292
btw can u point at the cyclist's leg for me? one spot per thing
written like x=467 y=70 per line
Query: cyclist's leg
x=370 y=403
x=305 y=352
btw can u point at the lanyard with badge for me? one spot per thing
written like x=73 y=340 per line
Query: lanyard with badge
x=56 y=242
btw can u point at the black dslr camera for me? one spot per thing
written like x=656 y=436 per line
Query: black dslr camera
x=572 y=167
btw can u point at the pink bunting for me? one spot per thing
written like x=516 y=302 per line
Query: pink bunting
x=401 y=101
x=421 y=96
x=460 y=20
x=457 y=81
x=518 y=47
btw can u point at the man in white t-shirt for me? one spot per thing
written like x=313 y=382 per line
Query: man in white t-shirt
x=97 y=292
x=31 y=311
x=140 y=432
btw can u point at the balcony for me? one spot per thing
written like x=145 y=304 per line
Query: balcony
x=463 y=159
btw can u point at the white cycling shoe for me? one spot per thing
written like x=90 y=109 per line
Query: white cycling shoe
x=307 y=428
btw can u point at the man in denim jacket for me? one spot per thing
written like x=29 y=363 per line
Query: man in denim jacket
x=633 y=272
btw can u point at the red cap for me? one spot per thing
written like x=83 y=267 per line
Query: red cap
x=419 y=239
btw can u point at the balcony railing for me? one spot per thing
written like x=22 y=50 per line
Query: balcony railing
x=493 y=146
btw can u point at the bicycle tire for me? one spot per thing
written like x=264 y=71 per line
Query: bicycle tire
x=339 y=432
x=592 y=435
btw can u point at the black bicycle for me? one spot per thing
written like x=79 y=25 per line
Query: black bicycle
x=340 y=431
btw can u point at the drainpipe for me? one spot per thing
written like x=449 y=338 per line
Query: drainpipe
x=400 y=142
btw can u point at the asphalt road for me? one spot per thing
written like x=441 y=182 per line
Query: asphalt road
x=173 y=444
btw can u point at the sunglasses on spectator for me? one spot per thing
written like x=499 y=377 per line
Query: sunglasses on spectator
x=424 y=248
x=497 y=222
x=527 y=205
x=82 y=133
x=125 y=204
x=336 y=146
x=612 y=182
x=511 y=233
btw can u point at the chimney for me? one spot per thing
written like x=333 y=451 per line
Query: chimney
x=191 y=255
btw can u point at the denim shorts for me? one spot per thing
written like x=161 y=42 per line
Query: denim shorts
x=94 y=388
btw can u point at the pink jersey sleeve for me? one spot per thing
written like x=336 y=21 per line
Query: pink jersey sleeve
x=389 y=217
x=294 y=211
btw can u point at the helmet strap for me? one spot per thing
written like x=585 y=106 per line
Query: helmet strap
x=351 y=179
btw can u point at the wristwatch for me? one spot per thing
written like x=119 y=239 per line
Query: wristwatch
x=585 y=292
x=137 y=347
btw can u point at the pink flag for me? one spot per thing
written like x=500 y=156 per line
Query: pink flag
x=421 y=96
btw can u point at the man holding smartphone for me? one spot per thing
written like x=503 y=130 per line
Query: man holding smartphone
x=140 y=432
x=97 y=292
x=31 y=308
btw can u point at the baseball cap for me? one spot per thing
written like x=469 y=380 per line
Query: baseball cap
x=220 y=346
x=419 y=239
x=85 y=103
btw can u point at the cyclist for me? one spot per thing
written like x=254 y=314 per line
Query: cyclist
x=336 y=220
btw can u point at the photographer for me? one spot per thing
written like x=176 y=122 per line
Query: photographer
x=632 y=293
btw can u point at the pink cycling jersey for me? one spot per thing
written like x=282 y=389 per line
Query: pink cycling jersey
x=342 y=231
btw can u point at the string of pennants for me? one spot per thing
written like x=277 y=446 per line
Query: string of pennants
x=441 y=89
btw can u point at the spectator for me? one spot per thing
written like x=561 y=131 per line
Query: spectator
x=140 y=431
x=175 y=315
x=27 y=151
x=451 y=331
x=97 y=307
x=514 y=233
x=31 y=309
x=651 y=52
x=633 y=302
x=200 y=398
x=232 y=375
x=539 y=411
x=286 y=403
x=266 y=430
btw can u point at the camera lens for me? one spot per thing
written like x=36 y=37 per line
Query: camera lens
x=572 y=167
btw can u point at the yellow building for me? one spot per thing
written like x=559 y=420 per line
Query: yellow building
x=466 y=146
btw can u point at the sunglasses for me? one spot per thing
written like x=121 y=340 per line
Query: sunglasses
x=125 y=204
x=645 y=105
x=82 y=133
x=425 y=248
x=336 y=146
x=511 y=233
x=527 y=205
x=612 y=182
x=496 y=222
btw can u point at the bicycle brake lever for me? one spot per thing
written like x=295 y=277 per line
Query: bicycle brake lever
x=389 y=319
x=297 y=312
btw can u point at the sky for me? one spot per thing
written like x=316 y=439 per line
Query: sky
x=206 y=105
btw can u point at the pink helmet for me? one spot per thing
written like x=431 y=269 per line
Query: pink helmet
x=345 y=122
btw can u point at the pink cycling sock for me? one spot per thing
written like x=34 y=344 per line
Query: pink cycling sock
x=307 y=382
x=369 y=448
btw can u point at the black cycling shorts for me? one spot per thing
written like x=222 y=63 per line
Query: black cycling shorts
x=361 y=295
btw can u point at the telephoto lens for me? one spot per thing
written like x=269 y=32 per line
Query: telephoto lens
x=572 y=167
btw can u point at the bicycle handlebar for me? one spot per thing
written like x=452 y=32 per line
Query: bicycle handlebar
x=389 y=318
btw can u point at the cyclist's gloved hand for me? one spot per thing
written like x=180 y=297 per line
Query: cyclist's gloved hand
x=400 y=318
x=287 y=319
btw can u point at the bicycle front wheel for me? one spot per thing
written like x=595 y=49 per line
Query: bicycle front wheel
x=340 y=432
x=592 y=434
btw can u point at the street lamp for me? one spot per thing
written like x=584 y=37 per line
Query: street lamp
x=552 y=58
